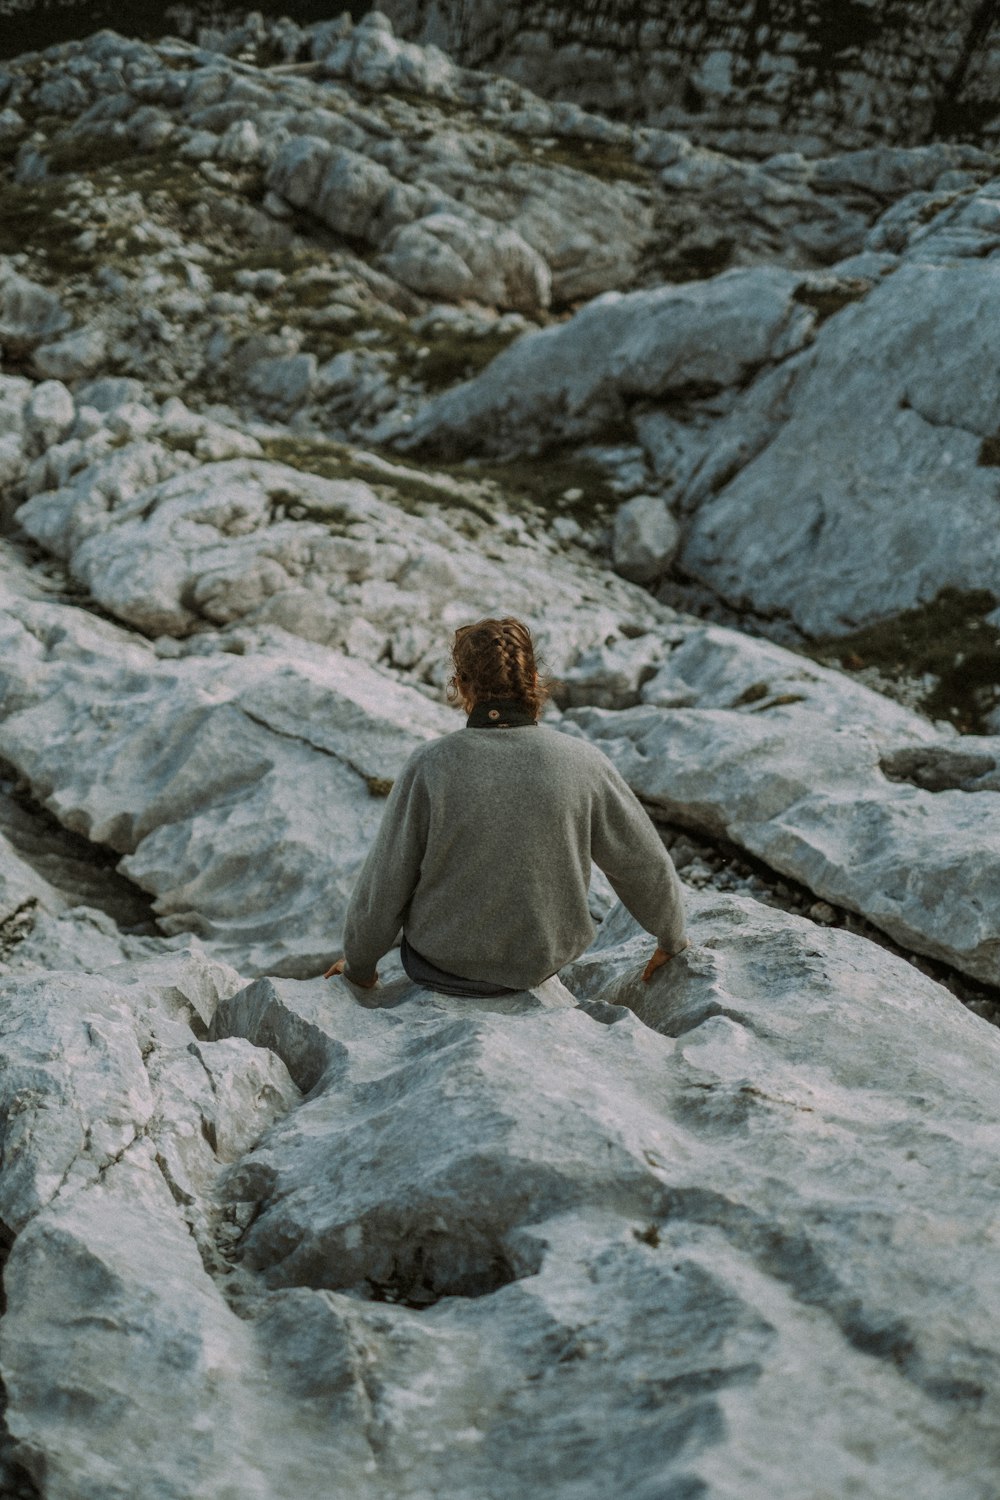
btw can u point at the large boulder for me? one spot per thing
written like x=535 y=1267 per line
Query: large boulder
x=320 y=1212
x=573 y=380
x=457 y=258
x=29 y=313
x=645 y=538
x=242 y=793
x=812 y=799
x=872 y=486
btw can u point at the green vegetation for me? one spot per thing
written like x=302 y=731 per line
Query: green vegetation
x=46 y=218
x=441 y=359
x=753 y=694
x=39 y=217
x=609 y=163
x=290 y=260
x=543 y=487
x=337 y=461
x=829 y=297
x=556 y=485
x=649 y=1236
x=949 y=639
x=88 y=151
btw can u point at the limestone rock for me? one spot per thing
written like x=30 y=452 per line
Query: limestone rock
x=791 y=80
x=29 y=313
x=77 y=354
x=49 y=413
x=570 y=381
x=869 y=496
x=119 y=1123
x=232 y=787
x=645 y=539
x=261 y=542
x=341 y=186
x=372 y=57
x=434 y=1215
x=709 y=666
x=284 y=383
x=812 y=801
x=444 y=255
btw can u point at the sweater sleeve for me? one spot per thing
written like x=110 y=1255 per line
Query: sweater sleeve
x=388 y=876
x=627 y=848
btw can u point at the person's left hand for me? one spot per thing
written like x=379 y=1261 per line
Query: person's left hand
x=338 y=968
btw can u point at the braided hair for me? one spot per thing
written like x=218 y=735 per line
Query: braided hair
x=496 y=659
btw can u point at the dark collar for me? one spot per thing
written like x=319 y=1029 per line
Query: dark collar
x=500 y=713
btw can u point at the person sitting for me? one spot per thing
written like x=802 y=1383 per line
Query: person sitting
x=483 y=857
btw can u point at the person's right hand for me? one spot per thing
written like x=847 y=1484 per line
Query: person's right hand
x=659 y=958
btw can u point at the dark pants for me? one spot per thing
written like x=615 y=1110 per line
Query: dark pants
x=426 y=974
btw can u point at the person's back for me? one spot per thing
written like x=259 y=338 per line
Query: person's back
x=484 y=853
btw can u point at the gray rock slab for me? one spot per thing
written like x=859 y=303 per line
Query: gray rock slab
x=711 y=666
x=810 y=798
x=636 y=1245
x=869 y=497
x=571 y=380
x=119 y=1122
x=328 y=560
x=243 y=793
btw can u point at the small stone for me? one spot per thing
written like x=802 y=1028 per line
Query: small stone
x=80 y=353
x=645 y=539
x=49 y=413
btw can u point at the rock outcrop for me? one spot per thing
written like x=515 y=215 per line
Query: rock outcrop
x=490 y=1231
x=750 y=79
x=315 y=345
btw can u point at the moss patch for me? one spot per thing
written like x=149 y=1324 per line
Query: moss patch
x=290 y=260
x=39 y=217
x=46 y=217
x=599 y=159
x=557 y=485
x=88 y=151
x=829 y=297
x=337 y=461
x=949 y=639
x=439 y=360
x=532 y=487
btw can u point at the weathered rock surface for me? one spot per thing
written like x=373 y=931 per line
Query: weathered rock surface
x=751 y=80
x=328 y=560
x=795 y=502
x=870 y=496
x=811 y=800
x=645 y=539
x=118 y=1121
x=242 y=793
x=281 y=1238
x=242 y=783
x=398 y=1272
x=572 y=381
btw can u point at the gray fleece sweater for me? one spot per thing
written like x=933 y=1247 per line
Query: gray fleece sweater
x=483 y=858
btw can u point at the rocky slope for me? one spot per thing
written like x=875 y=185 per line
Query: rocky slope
x=755 y=78
x=315 y=346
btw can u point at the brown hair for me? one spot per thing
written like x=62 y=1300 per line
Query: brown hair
x=496 y=659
